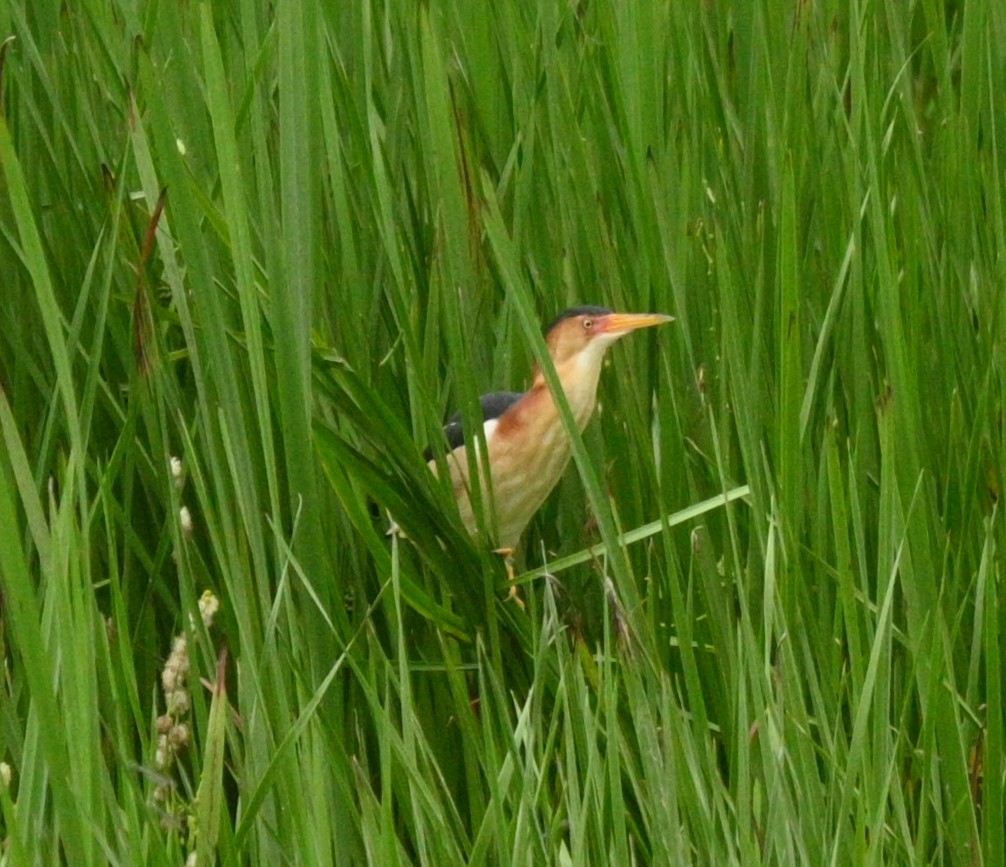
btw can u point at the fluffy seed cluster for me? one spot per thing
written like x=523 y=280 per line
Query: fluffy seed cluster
x=173 y=733
x=209 y=605
x=173 y=730
x=177 y=469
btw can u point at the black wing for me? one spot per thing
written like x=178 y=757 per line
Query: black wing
x=493 y=406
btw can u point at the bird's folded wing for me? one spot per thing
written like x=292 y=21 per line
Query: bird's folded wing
x=493 y=406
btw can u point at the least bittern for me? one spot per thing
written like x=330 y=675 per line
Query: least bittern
x=526 y=442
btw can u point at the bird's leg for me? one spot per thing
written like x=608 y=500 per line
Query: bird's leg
x=514 y=594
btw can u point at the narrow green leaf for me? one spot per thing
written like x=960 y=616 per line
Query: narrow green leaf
x=210 y=803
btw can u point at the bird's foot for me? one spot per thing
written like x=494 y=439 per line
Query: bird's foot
x=513 y=595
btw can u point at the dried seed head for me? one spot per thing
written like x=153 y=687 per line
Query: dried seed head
x=177 y=471
x=163 y=755
x=209 y=605
x=185 y=519
x=178 y=737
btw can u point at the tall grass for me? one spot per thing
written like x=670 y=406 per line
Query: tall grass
x=763 y=619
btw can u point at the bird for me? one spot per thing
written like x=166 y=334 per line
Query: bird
x=526 y=442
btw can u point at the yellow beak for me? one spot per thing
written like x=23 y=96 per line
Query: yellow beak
x=615 y=322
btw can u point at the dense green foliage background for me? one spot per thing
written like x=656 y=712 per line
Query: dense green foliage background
x=367 y=210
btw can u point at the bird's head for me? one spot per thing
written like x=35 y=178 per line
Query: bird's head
x=587 y=332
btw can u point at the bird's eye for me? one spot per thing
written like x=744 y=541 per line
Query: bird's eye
x=588 y=324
